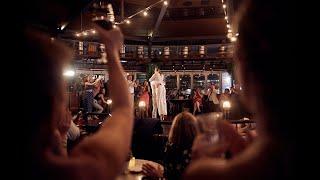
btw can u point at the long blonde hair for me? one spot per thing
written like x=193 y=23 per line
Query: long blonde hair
x=183 y=130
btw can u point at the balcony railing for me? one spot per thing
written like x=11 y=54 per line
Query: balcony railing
x=93 y=50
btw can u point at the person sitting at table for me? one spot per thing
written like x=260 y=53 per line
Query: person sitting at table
x=197 y=101
x=100 y=156
x=273 y=154
x=177 y=150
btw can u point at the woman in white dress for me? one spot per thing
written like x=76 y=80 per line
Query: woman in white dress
x=154 y=81
x=162 y=99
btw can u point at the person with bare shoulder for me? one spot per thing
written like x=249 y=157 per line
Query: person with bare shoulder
x=272 y=153
x=100 y=156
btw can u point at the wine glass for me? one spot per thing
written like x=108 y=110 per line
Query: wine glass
x=208 y=138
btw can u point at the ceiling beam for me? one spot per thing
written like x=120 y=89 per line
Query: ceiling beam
x=159 y=20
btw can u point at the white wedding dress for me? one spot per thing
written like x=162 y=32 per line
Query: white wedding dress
x=154 y=80
x=161 y=96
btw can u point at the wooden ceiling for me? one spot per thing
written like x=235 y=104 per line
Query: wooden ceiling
x=183 y=19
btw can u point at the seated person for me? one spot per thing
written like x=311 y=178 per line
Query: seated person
x=96 y=157
x=178 y=149
x=273 y=154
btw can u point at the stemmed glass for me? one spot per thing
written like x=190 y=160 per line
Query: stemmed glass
x=208 y=138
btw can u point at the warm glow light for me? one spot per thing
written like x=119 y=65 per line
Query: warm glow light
x=226 y=17
x=228 y=25
x=229 y=35
x=224 y=6
x=226 y=105
x=109 y=101
x=233 y=39
x=78 y=34
x=229 y=30
x=85 y=33
x=145 y=13
x=69 y=73
x=93 y=31
x=128 y=21
x=142 y=104
x=63 y=26
x=237 y=34
x=114 y=26
x=165 y=3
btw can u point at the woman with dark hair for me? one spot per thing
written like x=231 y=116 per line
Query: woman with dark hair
x=262 y=25
x=178 y=149
x=100 y=156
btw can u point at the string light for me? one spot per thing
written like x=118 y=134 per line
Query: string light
x=144 y=12
x=230 y=35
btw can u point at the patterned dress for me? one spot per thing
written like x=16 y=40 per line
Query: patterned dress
x=176 y=160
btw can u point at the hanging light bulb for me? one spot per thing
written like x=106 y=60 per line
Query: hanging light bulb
x=228 y=25
x=85 y=33
x=93 y=31
x=226 y=17
x=128 y=21
x=114 y=26
x=233 y=39
x=224 y=6
x=78 y=34
x=145 y=13
x=229 y=35
x=229 y=30
x=165 y=3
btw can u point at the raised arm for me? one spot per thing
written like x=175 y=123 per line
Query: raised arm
x=110 y=146
x=152 y=77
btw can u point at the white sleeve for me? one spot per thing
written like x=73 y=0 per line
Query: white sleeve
x=74 y=132
x=152 y=78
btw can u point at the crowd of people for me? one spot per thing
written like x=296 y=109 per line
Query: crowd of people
x=102 y=155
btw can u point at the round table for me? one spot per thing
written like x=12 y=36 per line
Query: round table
x=135 y=172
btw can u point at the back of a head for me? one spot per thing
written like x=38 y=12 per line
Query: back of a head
x=183 y=130
x=263 y=57
x=264 y=63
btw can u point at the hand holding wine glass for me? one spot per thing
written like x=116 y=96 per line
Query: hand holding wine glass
x=209 y=142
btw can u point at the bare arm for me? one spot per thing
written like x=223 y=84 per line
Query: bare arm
x=111 y=144
x=102 y=98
